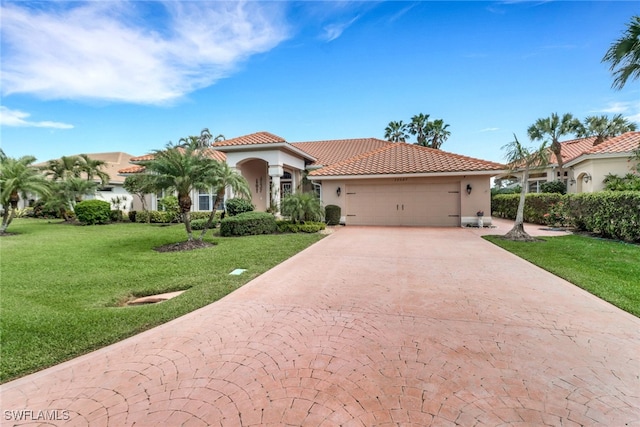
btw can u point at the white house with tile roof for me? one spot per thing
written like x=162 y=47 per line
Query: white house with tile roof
x=586 y=165
x=374 y=182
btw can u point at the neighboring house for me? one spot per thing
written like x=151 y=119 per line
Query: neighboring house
x=115 y=161
x=586 y=165
x=375 y=182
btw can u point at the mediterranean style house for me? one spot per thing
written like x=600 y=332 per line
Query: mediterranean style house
x=586 y=164
x=374 y=182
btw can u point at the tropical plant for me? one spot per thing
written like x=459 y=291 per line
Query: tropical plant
x=93 y=167
x=396 y=132
x=18 y=177
x=437 y=133
x=419 y=127
x=604 y=128
x=300 y=207
x=181 y=168
x=63 y=168
x=518 y=157
x=554 y=127
x=92 y=212
x=629 y=182
x=624 y=55
x=140 y=185
x=221 y=178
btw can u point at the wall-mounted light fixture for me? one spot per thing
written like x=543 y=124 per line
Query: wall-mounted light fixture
x=338 y=191
x=469 y=188
x=572 y=181
x=586 y=178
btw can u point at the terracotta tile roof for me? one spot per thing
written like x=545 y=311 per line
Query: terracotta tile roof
x=333 y=151
x=572 y=149
x=252 y=139
x=209 y=152
x=625 y=143
x=402 y=158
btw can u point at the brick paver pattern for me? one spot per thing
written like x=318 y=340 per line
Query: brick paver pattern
x=370 y=327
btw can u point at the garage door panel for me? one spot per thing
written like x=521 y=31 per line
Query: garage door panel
x=411 y=204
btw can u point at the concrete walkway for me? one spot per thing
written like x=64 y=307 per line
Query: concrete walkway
x=369 y=327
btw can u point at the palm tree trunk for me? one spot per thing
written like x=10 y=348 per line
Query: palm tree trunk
x=7 y=217
x=557 y=150
x=517 y=233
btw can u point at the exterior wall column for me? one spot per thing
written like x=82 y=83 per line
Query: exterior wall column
x=275 y=172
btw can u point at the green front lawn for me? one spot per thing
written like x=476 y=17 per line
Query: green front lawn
x=605 y=268
x=63 y=285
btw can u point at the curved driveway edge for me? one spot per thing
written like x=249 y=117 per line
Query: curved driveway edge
x=369 y=327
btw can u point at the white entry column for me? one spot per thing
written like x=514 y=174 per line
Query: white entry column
x=275 y=172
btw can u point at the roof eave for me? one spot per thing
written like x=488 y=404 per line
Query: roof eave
x=594 y=156
x=407 y=175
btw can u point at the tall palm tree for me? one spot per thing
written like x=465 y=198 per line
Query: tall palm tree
x=93 y=167
x=554 y=127
x=624 y=55
x=396 y=132
x=520 y=157
x=18 y=177
x=63 y=168
x=437 y=133
x=181 y=168
x=604 y=128
x=419 y=126
x=221 y=177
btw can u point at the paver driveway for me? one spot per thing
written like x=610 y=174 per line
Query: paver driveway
x=371 y=326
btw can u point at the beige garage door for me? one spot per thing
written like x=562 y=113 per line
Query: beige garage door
x=410 y=204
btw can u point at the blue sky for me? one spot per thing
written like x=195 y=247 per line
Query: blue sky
x=88 y=77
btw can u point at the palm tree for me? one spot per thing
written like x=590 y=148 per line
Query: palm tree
x=181 y=168
x=396 y=132
x=220 y=178
x=18 y=177
x=437 y=133
x=63 y=168
x=604 y=128
x=93 y=167
x=419 y=126
x=519 y=157
x=624 y=55
x=302 y=207
x=554 y=127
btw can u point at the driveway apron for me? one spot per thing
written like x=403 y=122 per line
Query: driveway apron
x=371 y=326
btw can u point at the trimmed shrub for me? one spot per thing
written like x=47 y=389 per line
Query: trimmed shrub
x=155 y=217
x=237 y=206
x=116 y=215
x=554 y=187
x=248 y=223
x=536 y=206
x=615 y=215
x=198 y=224
x=92 y=212
x=332 y=214
x=132 y=216
x=285 y=226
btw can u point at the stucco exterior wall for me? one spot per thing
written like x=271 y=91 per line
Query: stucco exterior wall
x=597 y=170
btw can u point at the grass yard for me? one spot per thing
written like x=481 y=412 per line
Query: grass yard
x=62 y=284
x=605 y=268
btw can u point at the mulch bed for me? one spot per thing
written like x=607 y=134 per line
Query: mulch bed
x=189 y=245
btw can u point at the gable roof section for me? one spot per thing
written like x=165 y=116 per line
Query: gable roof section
x=575 y=149
x=329 y=152
x=401 y=158
x=257 y=138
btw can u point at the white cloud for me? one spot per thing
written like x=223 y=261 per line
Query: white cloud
x=130 y=51
x=333 y=31
x=490 y=129
x=17 y=118
x=629 y=110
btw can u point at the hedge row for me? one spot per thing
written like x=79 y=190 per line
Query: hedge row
x=306 y=227
x=614 y=215
x=248 y=223
x=164 y=217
